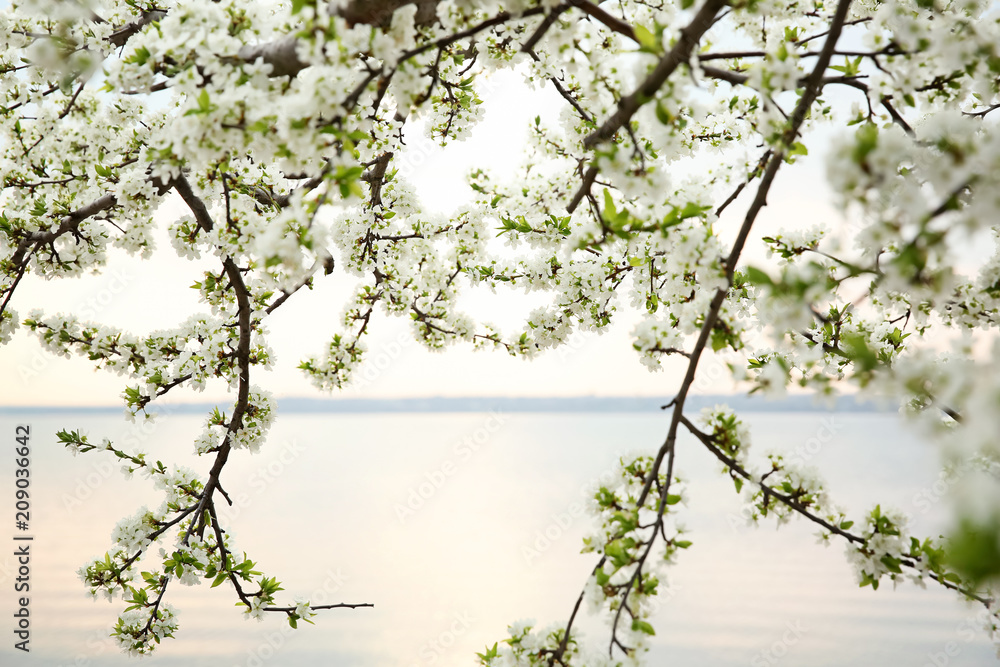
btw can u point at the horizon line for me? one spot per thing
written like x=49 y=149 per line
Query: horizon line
x=302 y=404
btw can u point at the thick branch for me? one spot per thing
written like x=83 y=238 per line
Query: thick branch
x=603 y=17
x=68 y=224
x=120 y=36
x=195 y=203
x=280 y=55
x=379 y=12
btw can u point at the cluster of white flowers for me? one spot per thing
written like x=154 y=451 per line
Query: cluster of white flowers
x=785 y=489
x=256 y=609
x=179 y=484
x=303 y=609
x=9 y=323
x=884 y=549
x=531 y=646
x=107 y=575
x=260 y=413
x=138 y=633
x=132 y=533
x=731 y=436
x=625 y=586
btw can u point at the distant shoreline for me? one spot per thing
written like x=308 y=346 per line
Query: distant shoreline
x=599 y=404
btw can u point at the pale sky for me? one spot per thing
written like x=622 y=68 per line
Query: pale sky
x=142 y=296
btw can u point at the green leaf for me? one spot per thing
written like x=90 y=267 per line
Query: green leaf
x=798 y=148
x=490 y=653
x=642 y=626
x=974 y=551
x=139 y=56
x=692 y=210
x=663 y=114
x=757 y=277
x=891 y=563
x=204 y=104
x=866 y=138
x=615 y=550
x=626 y=520
x=720 y=339
x=610 y=212
x=647 y=40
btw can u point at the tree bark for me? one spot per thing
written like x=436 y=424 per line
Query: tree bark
x=281 y=54
x=379 y=12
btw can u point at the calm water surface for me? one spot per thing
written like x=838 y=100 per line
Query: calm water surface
x=455 y=525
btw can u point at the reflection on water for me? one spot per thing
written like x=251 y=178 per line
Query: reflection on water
x=455 y=525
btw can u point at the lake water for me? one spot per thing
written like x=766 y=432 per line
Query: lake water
x=455 y=525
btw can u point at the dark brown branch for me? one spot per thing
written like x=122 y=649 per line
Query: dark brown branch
x=679 y=54
x=376 y=176
x=339 y=605
x=197 y=206
x=238 y=286
x=983 y=113
x=281 y=55
x=448 y=40
x=806 y=40
x=733 y=465
x=813 y=85
x=561 y=650
x=286 y=294
x=739 y=189
x=379 y=12
x=562 y=90
x=543 y=27
x=72 y=100
x=120 y=36
x=603 y=17
x=70 y=223
x=729 y=76
x=588 y=182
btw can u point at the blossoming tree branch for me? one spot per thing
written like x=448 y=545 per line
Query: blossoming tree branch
x=279 y=125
